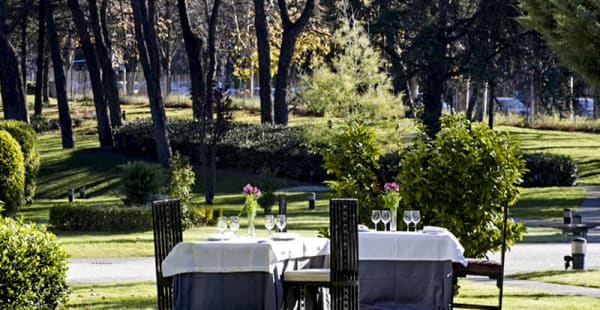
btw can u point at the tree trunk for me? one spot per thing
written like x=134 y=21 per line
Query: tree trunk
x=91 y=59
x=13 y=98
x=145 y=19
x=23 y=57
x=39 y=73
x=291 y=31
x=45 y=73
x=193 y=47
x=109 y=78
x=60 y=81
x=492 y=100
x=211 y=55
x=264 y=61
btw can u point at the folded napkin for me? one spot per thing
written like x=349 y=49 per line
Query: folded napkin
x=217 y=237
x=285 y=236
x=434 y=230
x=362 y=228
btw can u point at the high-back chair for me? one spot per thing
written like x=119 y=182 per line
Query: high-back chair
x=166 y=217
x=342 y=277
x=487 y=268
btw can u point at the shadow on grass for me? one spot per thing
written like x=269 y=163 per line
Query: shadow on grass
x=545 y=273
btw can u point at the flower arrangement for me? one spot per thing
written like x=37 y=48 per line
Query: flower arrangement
x=252 y=194
x=391 y=198
x=250 y=205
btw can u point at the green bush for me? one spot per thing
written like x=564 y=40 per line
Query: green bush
x=244 y=146
x=353 y=161
x=32 y=267
x=461 y=179
x=201 y=215
x=546 y=169
x=25 y=135
x=81 y=217
x=140 y=181
x=12 y=173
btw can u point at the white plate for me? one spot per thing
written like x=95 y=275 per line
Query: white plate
x=434 y=230
x=284 y=236
x=217 y=237
x=363 y=228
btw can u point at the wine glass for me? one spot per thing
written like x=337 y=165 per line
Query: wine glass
x=222 y=224
x=386 y=217
x=416 y=217
x=407 y=218
x=269 y=222
x=375 y=217
x=281 y=222
x=234 y=224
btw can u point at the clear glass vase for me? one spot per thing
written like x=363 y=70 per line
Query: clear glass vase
x=251 y=223
x=394 y=220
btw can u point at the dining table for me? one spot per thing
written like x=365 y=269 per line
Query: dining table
x=407 y=270
x=241 y=273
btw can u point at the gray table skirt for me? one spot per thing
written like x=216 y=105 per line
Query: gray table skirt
x=410 y=285
x=237 y=290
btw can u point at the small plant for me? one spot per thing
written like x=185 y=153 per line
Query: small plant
x=140 y=180
x=33 y=267
x=12 y=173
x=201 y=215
x=267 y=199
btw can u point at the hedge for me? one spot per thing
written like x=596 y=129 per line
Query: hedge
x=78 y=217
x=545 y=169
x=12 y=173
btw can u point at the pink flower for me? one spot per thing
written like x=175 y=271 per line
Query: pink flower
x=251 y=190
x=391 y=186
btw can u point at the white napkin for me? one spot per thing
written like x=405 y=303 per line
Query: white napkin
x=434 y=230
x=217 y=237
x=285 y=236
x=362 y=228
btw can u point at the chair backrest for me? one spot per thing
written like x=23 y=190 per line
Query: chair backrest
x=344 y=253
x=166 y=217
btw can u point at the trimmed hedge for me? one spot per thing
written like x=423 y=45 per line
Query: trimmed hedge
x=12 y=173
x=245 y=146
x=33 y=267
x=25 y=135
x=78 y=217
x=545 y=169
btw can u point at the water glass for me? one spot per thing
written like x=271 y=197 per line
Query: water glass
x=386 y=217
x=234 y=224
x=281 y=222
x=269 y=222
x=222 y=225
x=416 y=217
x=375 y=217
x=407 y=218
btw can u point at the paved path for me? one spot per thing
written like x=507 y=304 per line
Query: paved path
x=522 y=257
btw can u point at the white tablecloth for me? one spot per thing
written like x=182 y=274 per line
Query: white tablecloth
x=239 y=255
x=410 y=246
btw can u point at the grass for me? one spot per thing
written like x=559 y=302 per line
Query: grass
x=136 y=295
x=547 y=203
x=586 y=278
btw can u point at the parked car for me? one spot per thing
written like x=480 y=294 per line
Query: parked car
x=586 y=106
x=511 y=105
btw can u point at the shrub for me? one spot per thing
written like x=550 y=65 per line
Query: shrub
x=140 y=180
x=461 y=179
x=201 y=215
x=546 y=169
x=353 y=162
x=244 y=146
x=25 y=135
x=32 y=267
x=81 y=217
x=12 y=173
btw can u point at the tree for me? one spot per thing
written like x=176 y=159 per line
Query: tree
x=264 y=61
x=93 y=66
x=571 y=29
x=41 y=55
x=145 y=32
x=352 y=87
x=291 y=31
x=13 y=96
x=60 y=80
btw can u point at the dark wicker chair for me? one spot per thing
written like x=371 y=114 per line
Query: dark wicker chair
x=166 y=217
x=486 y=268
x=342 y=277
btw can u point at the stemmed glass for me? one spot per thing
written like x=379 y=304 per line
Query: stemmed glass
x=386 y=217
x=222 y=224
x=416 y=217
x=269 y=222
x=375 y=217
x=234 y=224
x=281 y=222
x=407 y=218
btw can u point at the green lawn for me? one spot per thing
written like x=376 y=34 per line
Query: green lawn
x=547 y=203
x=587 y=278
